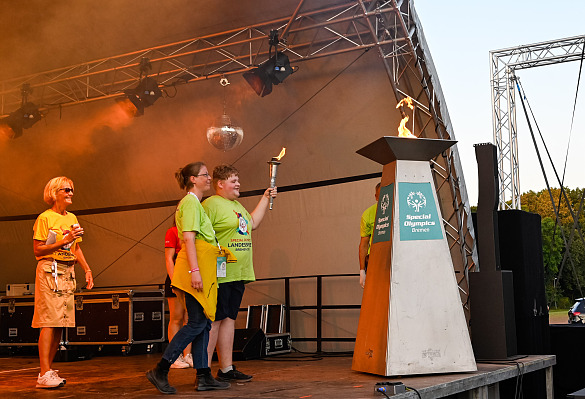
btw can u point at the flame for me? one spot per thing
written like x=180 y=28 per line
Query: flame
x=407 y=101
x=402 y=129
x=282 y=152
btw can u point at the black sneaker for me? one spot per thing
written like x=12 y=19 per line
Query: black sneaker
x=233 y=375
x=159 y=379
x=206 y=382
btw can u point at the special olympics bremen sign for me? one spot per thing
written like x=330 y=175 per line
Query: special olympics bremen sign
x=419 y=219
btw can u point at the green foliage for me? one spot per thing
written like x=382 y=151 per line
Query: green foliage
x=565 y=303
x=552 y=246
x=555 y=232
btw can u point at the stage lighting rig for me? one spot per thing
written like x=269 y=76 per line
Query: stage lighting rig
x=23 y=118
x=272 y=72
x=146 y=93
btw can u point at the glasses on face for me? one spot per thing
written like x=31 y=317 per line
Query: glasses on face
x=67 y=190
x=203 y=174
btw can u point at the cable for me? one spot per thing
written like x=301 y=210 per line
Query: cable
x=574 y=109
x=413 y=389
x=518 y=393
x=129 y=249
x=522 y=98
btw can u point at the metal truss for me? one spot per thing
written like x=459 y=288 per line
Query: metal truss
x=321 y=32
x=503 y=65
x=390 y=27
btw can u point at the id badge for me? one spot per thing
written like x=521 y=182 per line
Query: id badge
x=221 y=266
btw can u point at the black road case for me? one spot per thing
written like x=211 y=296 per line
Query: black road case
x=16 y=313
x=123 y=317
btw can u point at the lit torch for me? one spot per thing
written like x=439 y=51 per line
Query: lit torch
x=402 y=129
x=274 y=162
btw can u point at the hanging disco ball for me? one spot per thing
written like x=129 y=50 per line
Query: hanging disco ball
x=225 y=134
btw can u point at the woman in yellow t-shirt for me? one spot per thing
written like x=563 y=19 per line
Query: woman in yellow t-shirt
x=56 y=239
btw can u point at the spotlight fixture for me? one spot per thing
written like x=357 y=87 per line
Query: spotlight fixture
x=23 y=118
x=147 y=91
x=272 y=72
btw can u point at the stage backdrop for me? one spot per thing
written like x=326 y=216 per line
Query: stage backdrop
x=123 y=168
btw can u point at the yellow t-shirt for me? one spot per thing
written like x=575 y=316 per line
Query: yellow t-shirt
x=367 y=223
x=52 y=227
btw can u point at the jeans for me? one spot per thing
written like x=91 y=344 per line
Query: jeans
x=196 y=331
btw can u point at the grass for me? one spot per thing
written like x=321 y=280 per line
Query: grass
x=558 y=316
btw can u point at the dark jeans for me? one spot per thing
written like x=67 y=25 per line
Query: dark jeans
x=196 y=331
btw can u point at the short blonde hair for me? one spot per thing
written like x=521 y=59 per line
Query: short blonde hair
x=54 y=185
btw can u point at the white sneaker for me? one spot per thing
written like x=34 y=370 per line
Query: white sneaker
x=180 y=363
x=189 y=359
x=63 y=379
x=49 y=380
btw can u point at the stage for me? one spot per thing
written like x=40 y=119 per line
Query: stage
x=288 y=376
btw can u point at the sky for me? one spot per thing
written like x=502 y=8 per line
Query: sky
x=460 y=35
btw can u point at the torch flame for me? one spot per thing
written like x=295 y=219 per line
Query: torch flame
x=405 y=101
x=282 y=152
x=402 y=129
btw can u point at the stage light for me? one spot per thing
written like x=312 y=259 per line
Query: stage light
x=143 y=95
x=23 y=118
x=272 y=72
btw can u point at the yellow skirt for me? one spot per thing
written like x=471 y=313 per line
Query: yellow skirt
x=54 y=303
x=207 y=260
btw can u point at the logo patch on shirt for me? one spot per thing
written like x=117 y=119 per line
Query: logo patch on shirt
x=242 y=224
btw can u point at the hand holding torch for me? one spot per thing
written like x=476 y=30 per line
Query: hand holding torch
x=274 y=162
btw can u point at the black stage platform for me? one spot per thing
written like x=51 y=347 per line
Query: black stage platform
x=288 y=376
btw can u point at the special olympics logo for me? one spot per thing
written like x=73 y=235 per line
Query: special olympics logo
x=385 y=203
x=416 y=200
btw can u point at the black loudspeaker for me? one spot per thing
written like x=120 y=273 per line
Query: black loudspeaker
x=568 y=372
x=521 y=252
x=248 y=343
x=486 y=227
x=491 y=296
x=493 y=326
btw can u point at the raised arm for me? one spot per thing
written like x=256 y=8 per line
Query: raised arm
x=260 y=210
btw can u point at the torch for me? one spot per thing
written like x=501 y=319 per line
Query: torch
x=274 y=162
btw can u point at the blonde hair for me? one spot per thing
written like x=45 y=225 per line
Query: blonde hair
x=54 y=185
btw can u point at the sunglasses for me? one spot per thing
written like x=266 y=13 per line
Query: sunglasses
x=67 y=190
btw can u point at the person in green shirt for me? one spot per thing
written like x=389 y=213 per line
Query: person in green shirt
x=233 y=228
x=194 y=274
x=366 y=228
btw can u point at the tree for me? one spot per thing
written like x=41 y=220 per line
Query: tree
x=553 y=245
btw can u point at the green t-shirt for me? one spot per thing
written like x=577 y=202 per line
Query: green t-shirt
x=190 y=216
x=233 y=227
x=367 y=223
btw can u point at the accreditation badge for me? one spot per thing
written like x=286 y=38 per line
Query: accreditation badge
x=221 y=266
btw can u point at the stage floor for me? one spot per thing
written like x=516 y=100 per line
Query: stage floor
x=289 y=376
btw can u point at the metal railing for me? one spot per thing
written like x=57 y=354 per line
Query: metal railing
x=319 y=307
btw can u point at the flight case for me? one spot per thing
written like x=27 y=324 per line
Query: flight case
x=123 y=317
x=16 y=313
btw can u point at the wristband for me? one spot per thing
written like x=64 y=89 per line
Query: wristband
x=193 y=270
x=88 y=271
